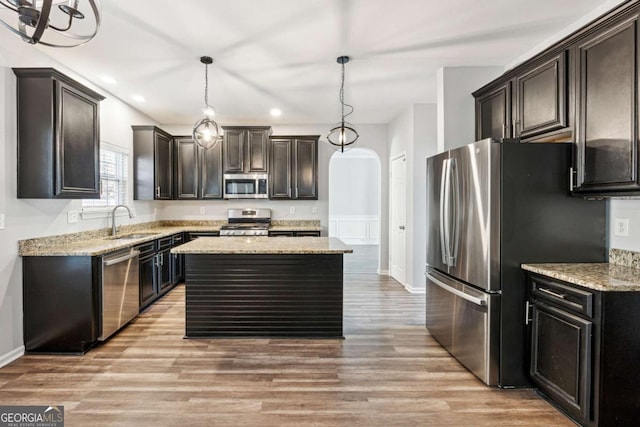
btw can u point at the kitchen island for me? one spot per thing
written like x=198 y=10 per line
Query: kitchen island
x=264 y=287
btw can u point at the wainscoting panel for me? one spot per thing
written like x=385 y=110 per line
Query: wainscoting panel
x=355 y=230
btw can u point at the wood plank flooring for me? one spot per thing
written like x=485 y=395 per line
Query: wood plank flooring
x=387 y=372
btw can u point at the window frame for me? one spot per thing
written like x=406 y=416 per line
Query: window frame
x=92 y=212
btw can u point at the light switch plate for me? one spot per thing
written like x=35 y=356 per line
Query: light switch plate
x=292 y=210
x=1 y=221
x=72 y=217
x=202 y=210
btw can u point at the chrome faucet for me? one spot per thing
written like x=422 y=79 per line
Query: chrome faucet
x=113 y=218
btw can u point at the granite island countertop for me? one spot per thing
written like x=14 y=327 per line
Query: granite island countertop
x=264 y=245
x=605 y=277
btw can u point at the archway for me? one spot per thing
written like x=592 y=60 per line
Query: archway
x=355 y=205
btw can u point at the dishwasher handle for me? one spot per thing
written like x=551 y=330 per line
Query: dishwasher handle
x=464 y=296
x=112 y=261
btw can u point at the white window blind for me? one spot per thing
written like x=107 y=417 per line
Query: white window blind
x=113 y=178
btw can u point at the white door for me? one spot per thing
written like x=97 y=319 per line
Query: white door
x=398 y=212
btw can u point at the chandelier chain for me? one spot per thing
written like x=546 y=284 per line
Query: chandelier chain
x=206 y=85
x=342 y=103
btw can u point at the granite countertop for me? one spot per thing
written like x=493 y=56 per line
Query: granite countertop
x=596 y=276
x=264 y=245
x=99 y=242
x=100 y=245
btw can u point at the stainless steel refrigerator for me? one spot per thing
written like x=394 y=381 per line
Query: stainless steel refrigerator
x=492 y=206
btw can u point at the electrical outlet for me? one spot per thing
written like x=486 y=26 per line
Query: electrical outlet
x=292 y=210
x=202 y=210
x=72 y=217
x=621 y=227
x=314 y=209
x=1 y=221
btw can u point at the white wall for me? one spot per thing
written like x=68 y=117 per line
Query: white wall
x=354 y=197
x=28 y=218
x=414 y=133
x=456 y=105
x=355 y=186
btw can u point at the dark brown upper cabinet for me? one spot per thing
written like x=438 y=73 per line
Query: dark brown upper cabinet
x=58 y=136
x=607 y=110
x=153 y=163
x=198 y=172
x=186 y=173
x=493 y=112
x=541 y=98
x=294 y=167
x=531 y=104
x=246 y=149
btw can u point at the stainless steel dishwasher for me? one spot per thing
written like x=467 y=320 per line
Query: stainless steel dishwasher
x=120 y=290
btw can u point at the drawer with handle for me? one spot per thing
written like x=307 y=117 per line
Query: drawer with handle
x=569 y=297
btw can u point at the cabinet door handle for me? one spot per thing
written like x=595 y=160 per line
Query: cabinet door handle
x=572 y=174
x=158 y=192
x=504 y=130
x=554 y=294
x=527 y=312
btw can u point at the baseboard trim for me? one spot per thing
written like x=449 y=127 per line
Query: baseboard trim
x=7 y=358
x=383 y=272
x=413 y=290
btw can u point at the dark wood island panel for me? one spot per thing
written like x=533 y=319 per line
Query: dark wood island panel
x=257 y=295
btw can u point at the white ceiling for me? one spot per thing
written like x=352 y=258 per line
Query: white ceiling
x=282 y=53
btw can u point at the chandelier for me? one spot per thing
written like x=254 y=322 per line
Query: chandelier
x=39 y=22
x=206 y=132
x=343 y=133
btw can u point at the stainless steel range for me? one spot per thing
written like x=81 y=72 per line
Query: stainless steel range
x=247 y=222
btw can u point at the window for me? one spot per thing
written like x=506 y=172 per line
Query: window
x=113 y=180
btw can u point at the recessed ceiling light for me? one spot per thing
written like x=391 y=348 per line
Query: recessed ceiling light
x=138 y=98
x=276 y=112
x=108 y=80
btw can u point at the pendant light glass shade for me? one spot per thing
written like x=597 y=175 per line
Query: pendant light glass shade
x=343 y=134
x=206 y=131
x=72 y=23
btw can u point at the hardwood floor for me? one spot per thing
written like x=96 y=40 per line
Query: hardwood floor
x=388 y=371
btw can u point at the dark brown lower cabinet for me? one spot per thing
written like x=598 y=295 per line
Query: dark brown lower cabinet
x=585 y=346
x=177 y=260
x=61 y=303
x=561 y=357
x=156 y=269
x=147 y=273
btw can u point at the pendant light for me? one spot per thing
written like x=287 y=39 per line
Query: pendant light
x=39 y=22
x=206 y=132
x=343 y=133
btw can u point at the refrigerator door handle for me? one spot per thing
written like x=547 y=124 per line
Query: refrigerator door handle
x=466 y=297
x=444 y=212
x=454 y=213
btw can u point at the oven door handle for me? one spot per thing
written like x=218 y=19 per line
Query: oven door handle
x=464 y=296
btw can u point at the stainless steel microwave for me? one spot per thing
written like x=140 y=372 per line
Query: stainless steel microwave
x=246 y=186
